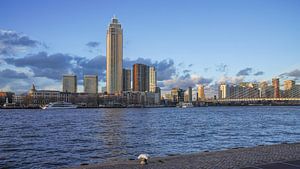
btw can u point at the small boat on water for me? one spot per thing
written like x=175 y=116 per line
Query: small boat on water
x=60 y=105
x=185 y=105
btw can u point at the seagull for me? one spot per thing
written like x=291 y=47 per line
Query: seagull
x=143 y=158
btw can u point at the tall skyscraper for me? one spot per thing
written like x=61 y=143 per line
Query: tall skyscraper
x=201 y=94
x=114 y=57
x=152 y=79
x=140 y=77
x=70 y=83
x=126 y=80
x=276 y=87
x=91 y=84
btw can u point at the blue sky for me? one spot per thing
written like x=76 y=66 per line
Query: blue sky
x=200 y=41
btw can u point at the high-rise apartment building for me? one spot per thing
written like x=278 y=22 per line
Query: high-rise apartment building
x=126 y=80
x=70 y=83
x=224 y=91
x=140 y=77
x=289 y=88
x=201 y=94
x=91 y=84
x=289 y=84
x=152 y=79
x=276 y=87
x=188 y=97
x=114 y=57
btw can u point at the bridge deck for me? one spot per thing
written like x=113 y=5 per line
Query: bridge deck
x=255 y=99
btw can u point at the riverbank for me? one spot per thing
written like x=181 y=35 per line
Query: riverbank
x=268 y=156
x=217 y=105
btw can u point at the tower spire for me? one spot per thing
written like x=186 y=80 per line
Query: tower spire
x=33 y=86
x=114 y=19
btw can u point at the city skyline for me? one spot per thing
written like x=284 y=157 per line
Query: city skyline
x=30 y=55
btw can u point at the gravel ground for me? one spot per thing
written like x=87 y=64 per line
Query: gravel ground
x=232 y=158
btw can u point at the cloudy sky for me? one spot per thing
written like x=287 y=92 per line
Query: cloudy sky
x=190 y=42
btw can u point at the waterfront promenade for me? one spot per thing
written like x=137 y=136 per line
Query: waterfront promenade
x=280 y=156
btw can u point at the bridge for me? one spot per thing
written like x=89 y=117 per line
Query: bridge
x=248 y=101
x=256 y=99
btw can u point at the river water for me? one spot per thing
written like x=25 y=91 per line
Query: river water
x=66 y=138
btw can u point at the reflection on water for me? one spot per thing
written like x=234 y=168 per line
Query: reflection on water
x=111 y=125
x=51 y=138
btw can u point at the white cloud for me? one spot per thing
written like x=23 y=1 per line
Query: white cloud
x=230 y=80
x=185 y=81
x=12 y=43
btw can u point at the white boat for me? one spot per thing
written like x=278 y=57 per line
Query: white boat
x=60 y=105
x=187 y=105
x=184 y=105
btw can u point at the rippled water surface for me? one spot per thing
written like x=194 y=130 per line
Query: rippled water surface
x=62 y=138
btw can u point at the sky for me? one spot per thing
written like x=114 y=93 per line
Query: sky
x=190 y=42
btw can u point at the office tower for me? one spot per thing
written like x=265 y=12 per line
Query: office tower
x=140 y=77
x=114 y=57
x=201 y=94
x=275 y=84
x=70 y=83
x=152 y=79
x=224 y=91
x=126 y=80
x=289 y=88
x=91 y=84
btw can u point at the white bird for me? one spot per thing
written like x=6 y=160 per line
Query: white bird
x=143 y=158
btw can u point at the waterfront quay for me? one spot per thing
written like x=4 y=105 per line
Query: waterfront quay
x=279 y=156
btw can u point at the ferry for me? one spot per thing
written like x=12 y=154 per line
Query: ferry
x=60 y=105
